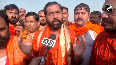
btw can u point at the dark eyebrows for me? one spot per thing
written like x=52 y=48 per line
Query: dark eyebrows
x=58 y=11
x=50 y=13
x=41 y=16
x=31 y=21
x=10 y=12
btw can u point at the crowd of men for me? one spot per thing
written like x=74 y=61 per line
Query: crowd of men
x=48 y=38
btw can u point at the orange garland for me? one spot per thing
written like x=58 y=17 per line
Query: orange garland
x=25 y=34
x=80 y=31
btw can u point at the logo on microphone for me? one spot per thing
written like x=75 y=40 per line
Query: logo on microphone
x=48 y=42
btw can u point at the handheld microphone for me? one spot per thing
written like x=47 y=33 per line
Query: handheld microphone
x=49 y=43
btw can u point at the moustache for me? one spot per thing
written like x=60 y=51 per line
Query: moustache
x=21 y=15
x=56 y=20
x=79 y=19
x=2 y=39
x=42 y=20
x=13 y=18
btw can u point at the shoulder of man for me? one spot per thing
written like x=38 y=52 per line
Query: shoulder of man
x=97 y=28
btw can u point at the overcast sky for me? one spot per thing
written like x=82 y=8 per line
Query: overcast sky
x=37 y=5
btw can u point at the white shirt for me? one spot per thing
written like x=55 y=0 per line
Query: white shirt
x=3 y=60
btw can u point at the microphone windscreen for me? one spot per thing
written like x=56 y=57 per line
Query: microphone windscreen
x=52 y=36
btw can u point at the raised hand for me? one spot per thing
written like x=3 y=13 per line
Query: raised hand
x=24 y=44
x=79 y=48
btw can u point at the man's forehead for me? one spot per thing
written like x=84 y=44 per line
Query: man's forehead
x=53 y=5
x=41 y=12
x=12 y=10
x=30 y=17
x=82 y=8
x=22 y=9
x=111 y=2
x=64 y=10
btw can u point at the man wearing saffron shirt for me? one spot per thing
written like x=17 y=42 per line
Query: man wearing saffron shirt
x=84 y=27
x=104 y=47
x=31 y=27
x=42 y=20
x=63 y=52
x=65 y=49
x=65 y=16
x=4 y=37
x=12 y=12
x=10 y=54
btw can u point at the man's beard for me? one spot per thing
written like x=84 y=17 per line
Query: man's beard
x=55 y=26
x=4 y=41
x=13 y=20
x=43 y=24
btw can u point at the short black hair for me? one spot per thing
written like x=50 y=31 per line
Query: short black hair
x=4 y=16
x=48 y=4
x=96 y=13
x=82 y=5
x=41 y=10
x=34 y=15
x=62 y=7
x=10 y=7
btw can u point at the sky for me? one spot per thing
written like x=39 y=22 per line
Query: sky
x=37 y=5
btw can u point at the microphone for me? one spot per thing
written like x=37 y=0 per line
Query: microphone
x=49 y=43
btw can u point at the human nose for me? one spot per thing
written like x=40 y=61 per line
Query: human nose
x=104 y=15
x=80 y=15
x=55 y=15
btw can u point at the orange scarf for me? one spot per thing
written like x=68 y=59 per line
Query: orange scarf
x=11 y=30
x=42 y=48
x=80 y=31
x=104 y=50
x=56 y=51
x=14 y=54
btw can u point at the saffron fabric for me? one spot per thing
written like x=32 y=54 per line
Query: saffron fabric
x=104 y=50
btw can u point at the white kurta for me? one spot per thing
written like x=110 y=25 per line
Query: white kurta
x=3 y=60
x=89 y=42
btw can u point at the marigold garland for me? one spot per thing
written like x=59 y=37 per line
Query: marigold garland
x=25 y=34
